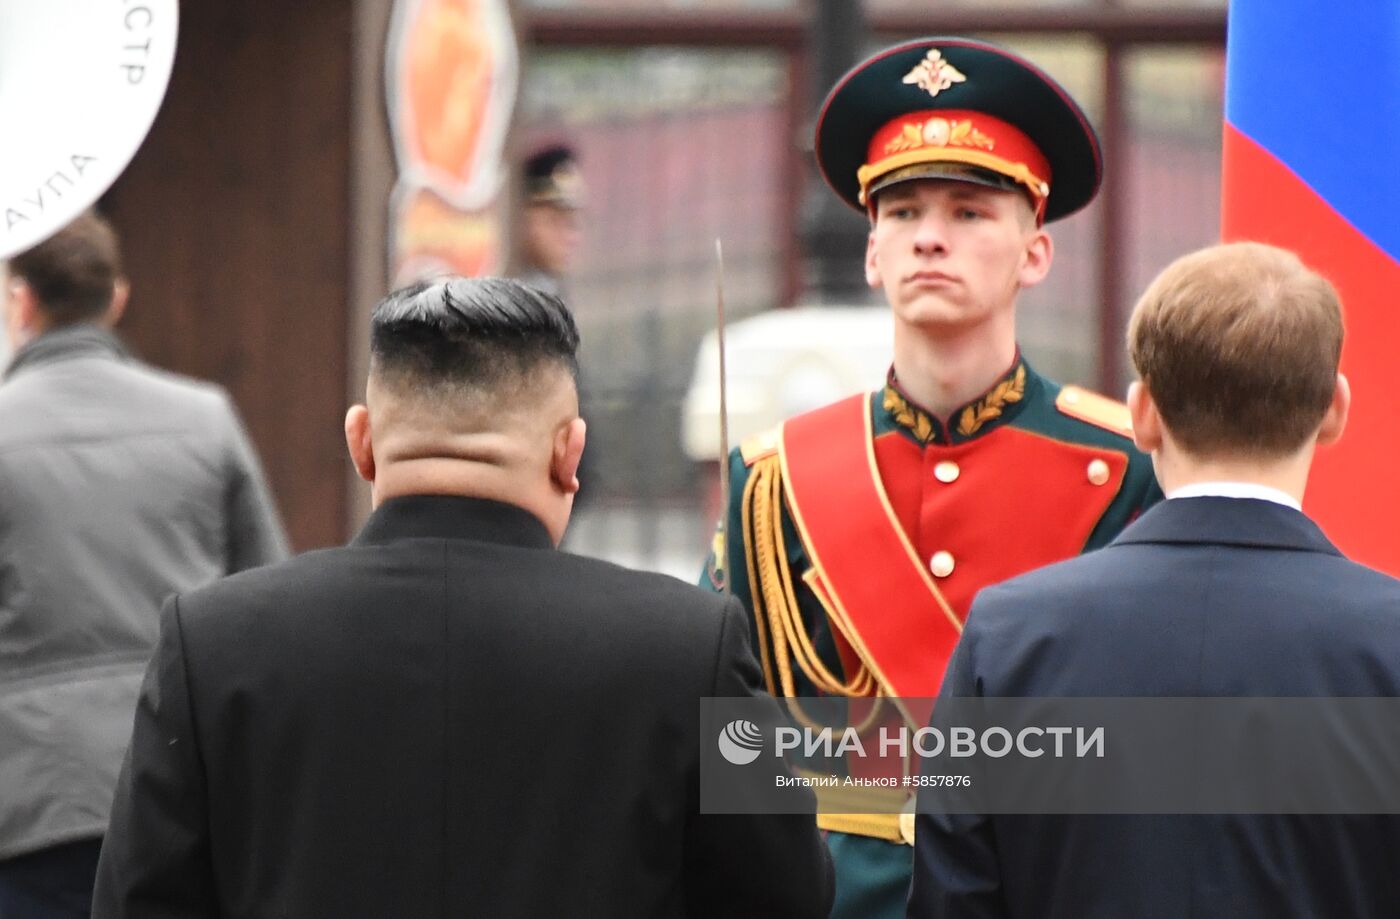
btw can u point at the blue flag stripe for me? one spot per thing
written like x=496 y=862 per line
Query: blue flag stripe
x=1317 y=83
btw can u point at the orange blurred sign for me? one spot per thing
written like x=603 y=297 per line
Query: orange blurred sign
x=451 y=72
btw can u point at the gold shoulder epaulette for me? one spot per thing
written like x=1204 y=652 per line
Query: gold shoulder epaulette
x=759 y=445
x=1097 y=410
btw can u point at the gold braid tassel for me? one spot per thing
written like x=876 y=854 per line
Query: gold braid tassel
x=782 y=635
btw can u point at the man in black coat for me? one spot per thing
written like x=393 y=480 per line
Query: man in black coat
x=448 y=717
x=1224 y=589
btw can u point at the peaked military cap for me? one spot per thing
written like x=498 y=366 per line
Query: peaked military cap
x=552 y=176
x=962 y=109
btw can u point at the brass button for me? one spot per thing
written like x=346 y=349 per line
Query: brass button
x=1098 y=472
x=946 y=472
x=941 y=564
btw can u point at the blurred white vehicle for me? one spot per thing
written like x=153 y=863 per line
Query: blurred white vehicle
x=782 y=363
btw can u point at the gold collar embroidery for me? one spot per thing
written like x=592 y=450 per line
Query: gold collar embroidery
x=970 y=419
x=990 y=405
x=908 y=415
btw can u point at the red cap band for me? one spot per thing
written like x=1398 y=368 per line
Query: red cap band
x=958 y=136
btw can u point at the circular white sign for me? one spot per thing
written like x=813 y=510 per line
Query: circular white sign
x=80 y=83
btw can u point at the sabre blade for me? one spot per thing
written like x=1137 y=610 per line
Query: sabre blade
x=723 y=403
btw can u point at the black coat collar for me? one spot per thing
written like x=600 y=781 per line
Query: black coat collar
x=1228 y=521
x=453 y=517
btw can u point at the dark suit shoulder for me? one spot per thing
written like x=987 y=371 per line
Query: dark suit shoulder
x=325 y=570
x=502 y=593
x=651 y=582
x=629 y=596
x=1119 y=576
x=1367 y=578
x=1191 y=620
x=259 y=598
x=1092 y=573
x=248 y=588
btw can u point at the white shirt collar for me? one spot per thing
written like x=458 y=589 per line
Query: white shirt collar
x=1236 y=490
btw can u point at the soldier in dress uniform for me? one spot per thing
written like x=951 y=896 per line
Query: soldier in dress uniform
x=549 y=238
x=549 y=221
x=857 y=534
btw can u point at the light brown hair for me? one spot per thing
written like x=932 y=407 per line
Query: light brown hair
x=1239 y=345
x=73 y=272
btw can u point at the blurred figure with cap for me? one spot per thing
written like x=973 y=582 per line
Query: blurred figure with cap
x=548 y=241
x=858 y=534
x=549 y=221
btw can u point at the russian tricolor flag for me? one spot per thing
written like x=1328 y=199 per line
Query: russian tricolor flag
x=1312 y=164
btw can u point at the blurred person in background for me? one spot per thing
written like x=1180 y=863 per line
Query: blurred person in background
x=119 y=485
x=549 y=238
x=448 y=717
x=549 y=233
x=858 y=534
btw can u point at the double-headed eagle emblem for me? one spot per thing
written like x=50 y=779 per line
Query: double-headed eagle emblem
x=933 y=74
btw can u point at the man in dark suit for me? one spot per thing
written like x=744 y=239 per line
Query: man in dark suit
x=448 y=716
x=1225 y=589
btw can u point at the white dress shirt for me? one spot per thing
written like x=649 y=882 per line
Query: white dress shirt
x=1235 y=490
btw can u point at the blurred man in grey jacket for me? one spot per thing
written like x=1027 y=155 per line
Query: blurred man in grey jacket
x=119 y=485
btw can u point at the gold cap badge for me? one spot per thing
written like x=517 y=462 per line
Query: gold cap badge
x=933 y=74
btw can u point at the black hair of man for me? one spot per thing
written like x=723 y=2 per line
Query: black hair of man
x=73 y=272
x=482 y=334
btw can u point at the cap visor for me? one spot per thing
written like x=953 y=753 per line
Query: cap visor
x=954 y=172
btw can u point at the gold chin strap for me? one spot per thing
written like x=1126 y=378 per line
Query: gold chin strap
x=782 y=635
